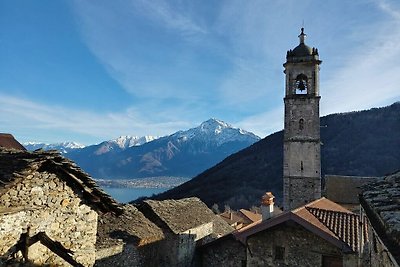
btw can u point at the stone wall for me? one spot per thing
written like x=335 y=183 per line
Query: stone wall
x=297 y=246
x=375 y=252
x=49 y=205
x=224 y=252
x=123 y=255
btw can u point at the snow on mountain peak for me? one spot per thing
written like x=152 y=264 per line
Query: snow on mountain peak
x=214 y=130
x=126 y=141
x=63 y=147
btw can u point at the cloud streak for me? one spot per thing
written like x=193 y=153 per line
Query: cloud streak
x=39 y=118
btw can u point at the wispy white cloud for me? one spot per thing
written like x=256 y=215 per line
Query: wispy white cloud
x=171 y=16
x=369 y=76
x=19 y=113
x=171 y=85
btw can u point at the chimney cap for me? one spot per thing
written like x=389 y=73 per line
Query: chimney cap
x=267 y=198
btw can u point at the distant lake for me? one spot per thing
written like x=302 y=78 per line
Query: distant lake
x=124 y=195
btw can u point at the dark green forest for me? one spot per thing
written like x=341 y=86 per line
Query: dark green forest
x=365 y=143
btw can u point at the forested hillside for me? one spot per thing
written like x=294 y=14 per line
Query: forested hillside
x=363 y=143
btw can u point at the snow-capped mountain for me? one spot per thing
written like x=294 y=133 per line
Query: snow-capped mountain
x=126 y=141
x=217 y=132
x=121 y=143
x=184 y=153
x=63 y=147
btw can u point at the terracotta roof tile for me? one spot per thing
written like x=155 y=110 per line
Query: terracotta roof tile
x=343 y=224
x=253 y=217
x=322 y=217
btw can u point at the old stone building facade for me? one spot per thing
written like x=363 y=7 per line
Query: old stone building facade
x=320 y=233
x=48 y=210
x=186 y=223
x=301 y=154
x=128 y=239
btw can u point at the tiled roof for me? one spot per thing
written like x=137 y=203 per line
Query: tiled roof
x=321 y=217
x=180 y=215
x=130 y=227
x=381 y=202
x=16 y=165
x=8 y=141
x=343 y=224
x=253 y=217
x=231 y=217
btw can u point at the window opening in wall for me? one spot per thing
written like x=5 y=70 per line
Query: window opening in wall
x=301 y=166
x=279 y=253
x=301 y=124
x=301 y=84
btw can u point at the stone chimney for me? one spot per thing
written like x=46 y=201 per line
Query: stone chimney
x=267 y=205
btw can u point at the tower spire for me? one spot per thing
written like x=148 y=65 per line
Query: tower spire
x=302 y=36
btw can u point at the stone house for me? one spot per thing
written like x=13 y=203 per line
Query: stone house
x=48 y=210
x=321 y=233
x=129 y=239
x=186 y=223
x=380 y=202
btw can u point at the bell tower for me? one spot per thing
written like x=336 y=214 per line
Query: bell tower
x=302 y=151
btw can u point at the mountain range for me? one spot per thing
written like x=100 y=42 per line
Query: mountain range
x=184 y=153
x=364 y=143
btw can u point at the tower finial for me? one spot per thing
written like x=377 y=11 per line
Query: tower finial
x=302 y=36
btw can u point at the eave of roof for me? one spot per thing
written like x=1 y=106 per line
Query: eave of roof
x=17 y=165
x=304 y=218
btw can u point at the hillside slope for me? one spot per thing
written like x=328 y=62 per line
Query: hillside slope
x=363 y=143
x=184 y=153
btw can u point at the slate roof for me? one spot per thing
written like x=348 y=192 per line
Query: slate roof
x=8 y=141
x=129 y=227
x=16 y=165
x=381 y=202
x=180 y=215
x=322 y=217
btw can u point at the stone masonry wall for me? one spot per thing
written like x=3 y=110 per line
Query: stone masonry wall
x=123 y=255
x=49 y=206
x=301 y=247
x=224 y=252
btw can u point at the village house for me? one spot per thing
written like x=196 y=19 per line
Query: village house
x=129 y=239
x=240 y=218
x=321 y=233
x=48 y=209
x=186 y=223
x=380 y=202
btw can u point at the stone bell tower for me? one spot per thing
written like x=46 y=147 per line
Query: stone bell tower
x=302 y=152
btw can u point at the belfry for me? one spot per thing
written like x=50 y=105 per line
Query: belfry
x=302 y=150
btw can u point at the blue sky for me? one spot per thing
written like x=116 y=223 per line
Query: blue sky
x=88 y=71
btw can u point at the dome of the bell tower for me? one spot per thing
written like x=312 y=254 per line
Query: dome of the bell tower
x=302 y=50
